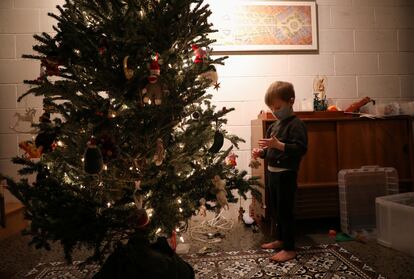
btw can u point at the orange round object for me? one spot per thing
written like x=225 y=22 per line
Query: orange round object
x=332 y=233
x=333 y=108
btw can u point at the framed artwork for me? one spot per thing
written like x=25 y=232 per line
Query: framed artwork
x=264 y=26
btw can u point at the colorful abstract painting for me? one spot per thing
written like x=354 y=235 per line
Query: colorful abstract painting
x=272 y=25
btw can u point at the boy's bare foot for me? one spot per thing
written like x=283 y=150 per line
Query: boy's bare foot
x=283 y=256
x=272 y=245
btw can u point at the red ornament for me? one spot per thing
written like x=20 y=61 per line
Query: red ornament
x=332 y=233
x=200 y=54
x=231 y=159
x=154 y=70
x=172 y=241
x=102 y=51
x=103 y=45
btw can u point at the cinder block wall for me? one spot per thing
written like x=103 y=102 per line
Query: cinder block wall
x=366 y=49
x=19 y=20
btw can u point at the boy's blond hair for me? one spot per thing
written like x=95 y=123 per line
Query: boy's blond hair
x=280 y=90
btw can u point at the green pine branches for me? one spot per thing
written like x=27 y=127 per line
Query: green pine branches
x=100 y=73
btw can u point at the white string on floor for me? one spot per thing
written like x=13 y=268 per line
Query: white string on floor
x=208 y=228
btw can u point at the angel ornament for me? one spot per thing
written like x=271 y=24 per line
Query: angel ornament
x=220 y=191
x=202 y=211
x=138 y=197
x=159 y=153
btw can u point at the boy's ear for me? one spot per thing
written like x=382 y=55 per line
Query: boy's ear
x=292 y=100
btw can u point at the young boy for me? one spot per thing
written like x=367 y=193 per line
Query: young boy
x=283 y=148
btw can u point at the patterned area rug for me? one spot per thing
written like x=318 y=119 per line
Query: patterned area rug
x=324 y=262
x=61 y=270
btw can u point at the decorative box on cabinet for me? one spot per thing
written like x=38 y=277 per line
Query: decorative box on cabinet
x=339 y=141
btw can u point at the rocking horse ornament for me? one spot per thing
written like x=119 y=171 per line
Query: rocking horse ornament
x=28 y=116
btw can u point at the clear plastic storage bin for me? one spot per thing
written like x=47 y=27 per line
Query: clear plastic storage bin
x=358 y=189
x=395 y=222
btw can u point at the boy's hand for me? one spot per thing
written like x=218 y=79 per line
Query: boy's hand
x=256 y=153
x=272 y=142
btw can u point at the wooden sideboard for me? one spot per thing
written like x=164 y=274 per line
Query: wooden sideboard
x=340 y=141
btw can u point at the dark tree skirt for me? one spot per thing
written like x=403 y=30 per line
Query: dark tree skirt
x=139 y=259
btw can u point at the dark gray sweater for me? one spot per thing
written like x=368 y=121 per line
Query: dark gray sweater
x=292 y=132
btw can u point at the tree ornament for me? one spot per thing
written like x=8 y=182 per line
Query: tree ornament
x=209 y=73
x=45 y=139
x=138 y=197
x=196 y=115
x=211 y=76
x=49 y=67
x=152 y=94
x=30 y=149
x=102 y=51
x=254 y=164
x=172 y=241
x=142 y=218
x=103 y=45
x=202 y=211
x=231 y=159
x=218 y=142
x=154 y=91
x=108 y=147
x=129 y=73
x=154 y=69
x=199 y=53
x=247 y=219
x=93 y=160
x=220 y=191
x=217 y=86
x=159 y=153
x=111 y=113
x=137 y=218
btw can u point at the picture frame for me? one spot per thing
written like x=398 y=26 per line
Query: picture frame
x=264 y=26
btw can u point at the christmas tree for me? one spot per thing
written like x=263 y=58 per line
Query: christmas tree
x=129 y=141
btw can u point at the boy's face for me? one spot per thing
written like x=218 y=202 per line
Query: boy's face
x=278 y=104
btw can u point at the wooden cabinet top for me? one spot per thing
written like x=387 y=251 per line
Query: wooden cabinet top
x=310 y=116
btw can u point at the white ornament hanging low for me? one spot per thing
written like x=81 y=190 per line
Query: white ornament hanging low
x=211 y=76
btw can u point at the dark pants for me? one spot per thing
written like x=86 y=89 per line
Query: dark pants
x=282 y=190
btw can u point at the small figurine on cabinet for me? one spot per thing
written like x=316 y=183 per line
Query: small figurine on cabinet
x=320 y=102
